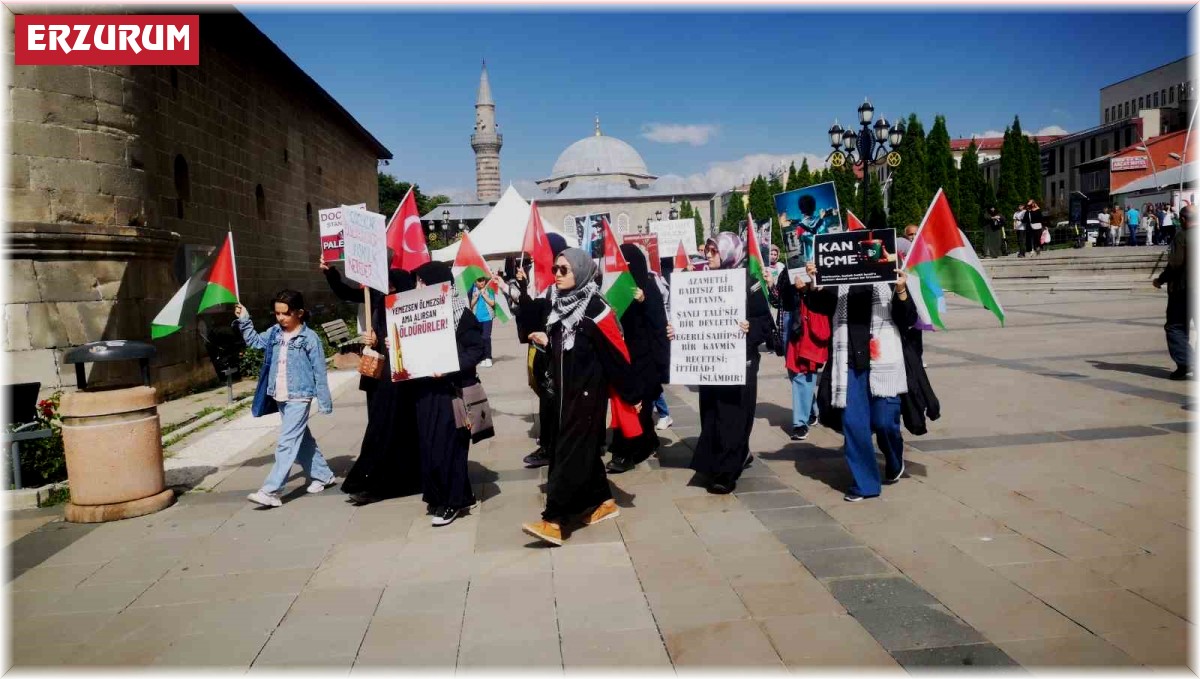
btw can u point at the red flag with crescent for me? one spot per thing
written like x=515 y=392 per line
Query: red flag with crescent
x=405 y=236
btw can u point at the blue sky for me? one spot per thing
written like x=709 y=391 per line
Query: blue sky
x=730 y=93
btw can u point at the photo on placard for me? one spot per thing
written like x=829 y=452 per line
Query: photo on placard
x=802 y=214
x=856 y=257
x=589 y=231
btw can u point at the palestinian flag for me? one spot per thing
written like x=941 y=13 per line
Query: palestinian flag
x=681 y=258
x=537 y=246
x=617 y=283
x=754 y=259
x=942 y=260
x=469 y=266
x=624 y=416
x=853 y=223
x=213 y=284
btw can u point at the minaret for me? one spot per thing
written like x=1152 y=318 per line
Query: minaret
x=486 y=142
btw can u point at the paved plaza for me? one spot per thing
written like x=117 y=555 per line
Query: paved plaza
x=1044 y=523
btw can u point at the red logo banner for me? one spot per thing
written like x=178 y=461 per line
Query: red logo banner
x=107 y=40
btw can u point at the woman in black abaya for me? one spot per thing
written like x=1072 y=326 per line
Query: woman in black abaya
x=387 y=465
x=645 y=328
x=443 y=444
x=727 y=411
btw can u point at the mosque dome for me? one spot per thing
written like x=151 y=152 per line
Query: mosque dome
x=599 y=154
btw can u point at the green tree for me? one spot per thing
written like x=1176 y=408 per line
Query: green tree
x=910 y=193
x=1033 y=169
x=762 y=205
x=870 y=208
x=804 y=175
x=845 y=185
x=940 y=171
x=970 y=191
x=391 y=192
x=735 y=213
x=774 y=187
x=793 y=181
x=701 y=235
x=1013 y=186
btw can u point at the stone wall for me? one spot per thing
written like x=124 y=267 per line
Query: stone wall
x=119 y=170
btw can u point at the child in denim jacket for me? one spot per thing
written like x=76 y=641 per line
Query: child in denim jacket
x=293 y=374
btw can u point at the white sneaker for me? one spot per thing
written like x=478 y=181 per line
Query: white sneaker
x=259 y=497
x=485 y=363
x=318 y=486
x=664 y=423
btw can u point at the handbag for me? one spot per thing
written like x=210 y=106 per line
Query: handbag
x=1045 y=236
x=370 y=364
x=479 y=412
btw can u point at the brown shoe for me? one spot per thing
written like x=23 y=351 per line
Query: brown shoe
x=606 y=510
x=544 y=530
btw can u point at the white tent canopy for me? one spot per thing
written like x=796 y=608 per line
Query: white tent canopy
x=502 y=231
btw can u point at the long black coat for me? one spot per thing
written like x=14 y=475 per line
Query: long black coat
x=347 y=293
x=442 y=443
x=727 y=411
x=580 y=379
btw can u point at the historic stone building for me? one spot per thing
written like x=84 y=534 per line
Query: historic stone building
x=123 y=178
x=486 y=141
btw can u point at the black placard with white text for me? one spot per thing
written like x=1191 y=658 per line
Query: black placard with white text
x=855 y=257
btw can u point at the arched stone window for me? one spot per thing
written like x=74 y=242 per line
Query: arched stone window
x=183 y=185
x=260 y=201
x=308 y=215
x=623 y=223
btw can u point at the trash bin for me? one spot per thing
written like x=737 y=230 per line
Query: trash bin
x=112 y=440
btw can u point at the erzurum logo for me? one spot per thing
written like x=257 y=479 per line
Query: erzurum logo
x=107 y=40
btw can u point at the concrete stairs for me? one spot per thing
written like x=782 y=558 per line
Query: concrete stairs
x=1078 y=270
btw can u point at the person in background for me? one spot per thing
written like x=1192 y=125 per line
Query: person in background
x=1106 y=232
x=1018 y=220
x=483 y=303
x=1175 y=276
x=913 y=335
x=1133 y=218
x=992 y=225
x=1033 y=227
x=1118 y=224
x=292 y=375
x=661 y=409
x=1150 y=223
x=1169 y=218
x=807 y=352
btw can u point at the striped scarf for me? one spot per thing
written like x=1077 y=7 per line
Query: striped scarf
x=887 y=374
x=567 y=309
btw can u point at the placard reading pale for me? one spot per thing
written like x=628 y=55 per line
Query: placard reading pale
x=672 y=232
x=856 y=257
x=420 y=326
x=706 y=307
x=365 y=237
x=649 y=243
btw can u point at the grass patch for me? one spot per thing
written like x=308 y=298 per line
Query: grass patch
x=203 y=412
x=57 y=496
x=228 y=415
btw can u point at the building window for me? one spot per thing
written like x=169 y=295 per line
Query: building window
x=1104 y=147
x=1128 y=136
x=623 y=223
x=1062 y=157
x=569 y=224
x=308 y=215
x=1106 y=113
x=183 y=185
x=1141 y=103
x=1156 y=100
x=285 y=155
x=260 y=201
x=1171 y=95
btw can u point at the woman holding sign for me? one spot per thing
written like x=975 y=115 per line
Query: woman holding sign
x=587 y=362
x=727 y=411
x=443 y=444
x=866 y=375
x=645 y=328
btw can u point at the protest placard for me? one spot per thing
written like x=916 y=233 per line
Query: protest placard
x=332 y=245
x=365 y=238
x=420 y=326
x=672 y=232
x=802 y=214
x=649 y=243
x=706 y=308
x=856 y=257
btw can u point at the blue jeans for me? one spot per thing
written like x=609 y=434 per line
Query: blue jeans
x=1178 y=324
x=804 y=406
x=660 y=406
x=1133 y=234
x=865 y=414
x=785 y=320
x=296 y=444
x=487 y=339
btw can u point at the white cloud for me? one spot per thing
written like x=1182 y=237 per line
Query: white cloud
x=457 y=194
x=724 y=175
x=987 y=134
x=1053 y=129
x=666 y=133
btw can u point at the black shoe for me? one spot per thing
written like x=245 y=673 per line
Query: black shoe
x=893 y=479
x=445 y=517
x=800 y=433
x=812 y=420
x=722 y=487
x=1181 y=374
x=619 y=465
x=537 y=458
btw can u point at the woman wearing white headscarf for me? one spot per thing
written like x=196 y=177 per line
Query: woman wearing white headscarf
x=587 y=359
x=866 y=376
x=727 y=411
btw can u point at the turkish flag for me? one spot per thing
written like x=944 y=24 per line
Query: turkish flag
x=405 y=236
x=853 y=223
x=681 y=258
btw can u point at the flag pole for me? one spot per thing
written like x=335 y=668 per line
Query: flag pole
x=233 y=261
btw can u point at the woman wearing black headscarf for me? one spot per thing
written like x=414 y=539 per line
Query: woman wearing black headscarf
x=645 y=328
x=387 y=466
x=727 y=411
x=443 y=444
x=587 y=358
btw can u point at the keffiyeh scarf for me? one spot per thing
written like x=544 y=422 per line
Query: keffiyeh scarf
x=887 y=374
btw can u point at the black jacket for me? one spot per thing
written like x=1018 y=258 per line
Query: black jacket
x=919 y=403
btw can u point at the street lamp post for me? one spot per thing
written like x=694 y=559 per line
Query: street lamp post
x=446 y=225
x=673 y=213
x=866 y=147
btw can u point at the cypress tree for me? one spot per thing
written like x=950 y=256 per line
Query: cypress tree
x=735 y=213
x=940 y=170
x=1012 y=187
x=870 y=208
x=970 y=190
x=1033 y=158
x=793 y=181
x=909 y=186
x=845 y=184
x=804 y=176
x=774 y=187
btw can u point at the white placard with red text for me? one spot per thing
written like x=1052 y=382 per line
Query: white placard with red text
x=365 y=236
x=420 y=327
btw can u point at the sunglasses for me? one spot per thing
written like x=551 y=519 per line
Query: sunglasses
x=560 y=269
x=711 y=251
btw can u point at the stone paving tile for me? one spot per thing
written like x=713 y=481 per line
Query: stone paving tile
x=1114 y=610
x=813 y=538
x=337 y=602
x=901 y=628
x=213 y=650
x=54 y=577
x=314 y=640
x=971 y=655
x=539 y=654
x=1011 y=620
x=759 y=569
x=758 y=484
x=681 y=607
x=1045 y=578
x=773 y=500
x=1157 y=647
x=834 y=563
x=859 y=593
x=613 y=613
x=739 y=643
x=419 y=639
x=1005 y=549
x=600 y=648
x=596 y=586
x=793 y=517
x=224 y=587
x=805 y=642
x=798 y=597
x=1074 y=651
